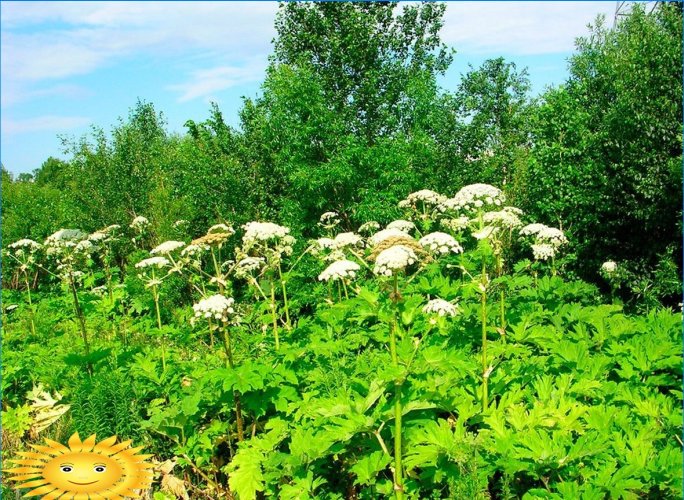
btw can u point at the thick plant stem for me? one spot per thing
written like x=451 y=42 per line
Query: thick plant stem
x=81 y=320
x=398 y=471
x=28 y=291
x=288 y=324
x=275 y=318
x=502 y=312
x=155 y=293
x=485 y=375
x=236 y=394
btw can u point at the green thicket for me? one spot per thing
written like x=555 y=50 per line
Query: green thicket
x=351 y=118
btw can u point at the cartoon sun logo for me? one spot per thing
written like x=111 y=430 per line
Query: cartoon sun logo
x=83 y=470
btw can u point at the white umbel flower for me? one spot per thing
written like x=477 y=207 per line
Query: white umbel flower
x=339 y=270
x=167 y=247
x=329 y=219
x=543 y=251
x=193 y=250
x=394 y=259
x=456 y=224
x=472 y=197
x=440 y=307
x=263 y=231
x=425 y=196
x=324 y=244
x=552 y=236
x=369 y=227
x=248 y=265
x=221 y=228
x=25 y=244
x=65 y=235
x=344 y=240
x=503 y=218
x=158 y=262
x=440 y=243
x=381 y=236
x=609 y=267
x=140 y=223
x=532 y=229
x=402 y=225
x=216 y=307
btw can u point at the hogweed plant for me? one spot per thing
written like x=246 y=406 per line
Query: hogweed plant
x=152 y=271
x=272 y=243
x=24 y=253
x=221 y=309
x=70 y=250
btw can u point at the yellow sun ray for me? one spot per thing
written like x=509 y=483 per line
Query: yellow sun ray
x=84 y=470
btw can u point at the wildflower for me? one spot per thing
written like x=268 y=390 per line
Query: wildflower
x=513 y=210
x=140 y=223
x=369 y=227
x=263 y=231
x=158 y=262
x=456 y=224
x=324 y=244
x=394 y=259
x=440 y=307
x=65 y=236
x=221 y=228
x=402 y=225
x=532 y=229
x=609 y=267
x=329 y=219
x=474 y=196
x=217 y=307
x=380 y=236
x=25 y=244
x=343 y=240
x=211 y=239
x=193 y=250
x=543 y=251
x=84 y=247
x=553 y=236
x=441 y=243
x=180 y=223
x=426 y=196
x=339 y=270
x=248 y=265
x=503 y=218
x=167 y=247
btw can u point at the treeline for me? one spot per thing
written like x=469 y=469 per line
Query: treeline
x=351 y=118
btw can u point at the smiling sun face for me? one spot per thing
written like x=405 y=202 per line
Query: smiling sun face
x=84 y=469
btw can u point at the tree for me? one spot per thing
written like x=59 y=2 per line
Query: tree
x=494 y=104
x=607 y=145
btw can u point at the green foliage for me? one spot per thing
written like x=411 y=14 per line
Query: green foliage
x=607 y=145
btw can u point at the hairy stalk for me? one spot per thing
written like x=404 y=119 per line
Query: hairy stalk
x=155 y=294
x=236 y=394
x=28 y=291
x=398 y=473
x=275 y=318
x=288 y=324
x=81 y=320
x=485 y=374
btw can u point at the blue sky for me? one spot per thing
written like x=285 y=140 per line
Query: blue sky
x=69 y=65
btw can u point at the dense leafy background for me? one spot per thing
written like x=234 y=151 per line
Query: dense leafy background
x=586 y=391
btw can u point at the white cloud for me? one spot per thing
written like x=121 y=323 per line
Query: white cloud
x=73 y=38
x=48 y=123
x=521 y=28
x=204 y=83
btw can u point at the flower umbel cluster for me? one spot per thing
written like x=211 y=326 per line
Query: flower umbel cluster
x=394 y=259
x=440 y=307
x=339 y=270
x=440 y=243
x=216 y=306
